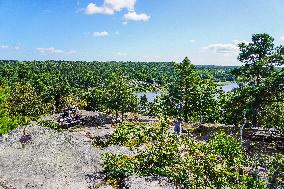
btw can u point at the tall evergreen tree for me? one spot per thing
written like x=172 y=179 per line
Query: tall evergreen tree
x=260 y=81
x=191 y=97
x=120 y=96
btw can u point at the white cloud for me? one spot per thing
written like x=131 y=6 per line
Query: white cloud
x=100 y=34
x=226 y=48
x=92 y=8
x=9 y=47
x=124 y=23
x=52 y=50
x=120 y=54
x=192 y=41
x=282 y=38
x=136 y=17
x=118 y=5
x=110 y=6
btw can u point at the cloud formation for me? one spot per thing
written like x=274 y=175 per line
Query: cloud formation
x=226 y=48
x=223 y=48
x=118 y=5
x=92 y=8
x=52 y=50
x=109 y=7
x=136 y=17
x=100 y=34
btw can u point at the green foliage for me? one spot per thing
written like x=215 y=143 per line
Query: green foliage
x=131 y=135
x=259 y=97
x=228 y=147
x=119 y=95
x=24 y=101
x=191 y=97
x=8 y=122
x=119 y=165
x=276 y=170
x=134 y=134
x=143 y=105
x=220 y=163
x=93 y=84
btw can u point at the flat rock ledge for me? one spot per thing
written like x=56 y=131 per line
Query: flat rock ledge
x=39 y=157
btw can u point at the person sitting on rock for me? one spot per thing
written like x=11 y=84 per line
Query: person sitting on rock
x=77 y=117
x=66 y=113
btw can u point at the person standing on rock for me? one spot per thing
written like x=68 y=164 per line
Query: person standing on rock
x=177 y=127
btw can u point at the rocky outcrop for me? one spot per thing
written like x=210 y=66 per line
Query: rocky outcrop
x=48 y=160
x=88 y=118
x=136 y=182
x=39 y=157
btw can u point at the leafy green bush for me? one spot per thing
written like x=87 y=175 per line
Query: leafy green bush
x=119 y=165
x=8 y=122
x=229 y=148
x=24 y=101
x=219 y=163
x=276 y=170
x=134 y=134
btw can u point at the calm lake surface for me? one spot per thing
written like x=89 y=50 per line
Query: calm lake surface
x=152 y=95
x=230 y=86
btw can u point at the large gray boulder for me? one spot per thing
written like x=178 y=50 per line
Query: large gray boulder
x=44 y=158
x=39 y=157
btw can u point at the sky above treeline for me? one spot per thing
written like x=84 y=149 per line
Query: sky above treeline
x=207 y=31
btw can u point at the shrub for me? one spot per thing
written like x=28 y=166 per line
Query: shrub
x=119 y=165
x=192 y=164
x=134 y=134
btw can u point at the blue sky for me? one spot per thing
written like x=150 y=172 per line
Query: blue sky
x=206 y=31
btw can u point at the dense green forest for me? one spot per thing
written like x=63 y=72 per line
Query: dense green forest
x=190 y=93
x=33 y=88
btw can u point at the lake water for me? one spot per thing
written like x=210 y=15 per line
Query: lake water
x=152 y=95
x=230 y=86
